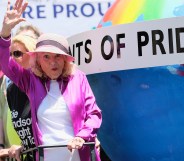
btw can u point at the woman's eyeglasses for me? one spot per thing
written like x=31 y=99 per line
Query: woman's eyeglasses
x=17 y=53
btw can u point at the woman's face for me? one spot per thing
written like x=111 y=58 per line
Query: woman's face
x=22 y=59
x=52 y=64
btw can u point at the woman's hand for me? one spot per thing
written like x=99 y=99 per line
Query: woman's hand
x=14 y=152
x=3 y=154
x=13 y=17
x=75 y=143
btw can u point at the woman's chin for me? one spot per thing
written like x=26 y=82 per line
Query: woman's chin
x=54 y=77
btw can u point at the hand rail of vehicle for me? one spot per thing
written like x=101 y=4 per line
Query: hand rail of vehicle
x=41 y=148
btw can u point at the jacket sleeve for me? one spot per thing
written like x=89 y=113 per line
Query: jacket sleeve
x=1 y=101
x=93 y=116
x=10 y=68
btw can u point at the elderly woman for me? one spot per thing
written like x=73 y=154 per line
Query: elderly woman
x=63 y=106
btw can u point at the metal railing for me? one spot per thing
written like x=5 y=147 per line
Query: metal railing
x=40 y=150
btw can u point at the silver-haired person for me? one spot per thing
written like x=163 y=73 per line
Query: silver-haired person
x=63 y=106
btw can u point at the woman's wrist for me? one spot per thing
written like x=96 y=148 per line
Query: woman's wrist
x=5 y=32
x=5 y=38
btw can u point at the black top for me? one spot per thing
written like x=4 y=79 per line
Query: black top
x=21 y=115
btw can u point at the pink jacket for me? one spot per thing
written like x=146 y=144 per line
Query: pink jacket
x=85 y=114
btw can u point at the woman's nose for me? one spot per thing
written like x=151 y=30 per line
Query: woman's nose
x=53 y=61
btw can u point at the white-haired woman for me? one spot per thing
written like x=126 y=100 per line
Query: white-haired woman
x=63 y=106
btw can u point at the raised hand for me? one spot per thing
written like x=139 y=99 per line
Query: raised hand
x=13 y=17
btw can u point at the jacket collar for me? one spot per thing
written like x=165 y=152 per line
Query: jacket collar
x=63 y=81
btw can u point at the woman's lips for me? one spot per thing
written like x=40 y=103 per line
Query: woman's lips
x=54 y=69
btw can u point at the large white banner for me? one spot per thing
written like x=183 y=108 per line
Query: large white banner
x=66 y=17
x=129 y=46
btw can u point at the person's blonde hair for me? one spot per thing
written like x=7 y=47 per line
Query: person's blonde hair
x=69 y=69
x=28 y=42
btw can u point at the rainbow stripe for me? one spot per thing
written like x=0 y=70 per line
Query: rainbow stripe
x=127 y=11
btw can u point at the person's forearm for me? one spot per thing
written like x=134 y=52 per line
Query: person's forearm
x=4 y=34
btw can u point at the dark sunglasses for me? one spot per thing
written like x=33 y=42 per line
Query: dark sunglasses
x=17 y=53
